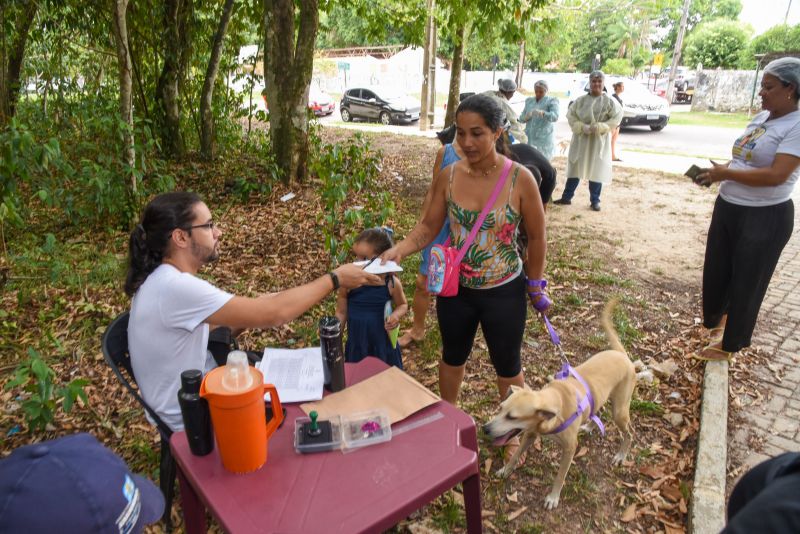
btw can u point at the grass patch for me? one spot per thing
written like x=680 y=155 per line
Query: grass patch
x=448 y=515
x=709 y=118
x=646 y=407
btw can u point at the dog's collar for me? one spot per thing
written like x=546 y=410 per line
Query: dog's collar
x=583 y=403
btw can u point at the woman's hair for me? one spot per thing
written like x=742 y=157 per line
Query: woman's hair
x=379 y=238
x=149 y=239
x=787 y=70
x=618 y=84
x=597 y=74
x=542 y=84
x=492 y=114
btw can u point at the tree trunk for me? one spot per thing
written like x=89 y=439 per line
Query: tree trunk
x=168 y=88
x=520 y=64
x=125 y=85
x=455 y=75
x=287 y=74
x=206 y=114
x=11 y=64
x=424 y=97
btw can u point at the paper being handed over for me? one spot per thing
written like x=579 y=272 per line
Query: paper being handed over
x=375 y=267
x=297 y=374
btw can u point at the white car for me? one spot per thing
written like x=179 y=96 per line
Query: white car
x=640 y=106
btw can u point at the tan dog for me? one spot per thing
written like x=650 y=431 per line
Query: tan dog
x=609 y=374
x=563 y=145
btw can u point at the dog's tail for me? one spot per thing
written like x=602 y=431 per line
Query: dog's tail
x=608 y=326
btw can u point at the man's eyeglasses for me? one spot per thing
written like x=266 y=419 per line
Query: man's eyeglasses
x=209 y=225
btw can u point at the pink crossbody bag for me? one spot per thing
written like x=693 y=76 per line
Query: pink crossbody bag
x=444 y=266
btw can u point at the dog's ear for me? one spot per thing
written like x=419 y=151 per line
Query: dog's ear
x=513 y=389
x=546 y=415
x=527 y=386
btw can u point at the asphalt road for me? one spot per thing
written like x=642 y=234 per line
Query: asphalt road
x=675 y=140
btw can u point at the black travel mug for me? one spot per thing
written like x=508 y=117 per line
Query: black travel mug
x=330 y=339
x=195 y=412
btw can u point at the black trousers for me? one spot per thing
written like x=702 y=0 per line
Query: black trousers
x=743 y=248
x=501 y=313
x=767 y=498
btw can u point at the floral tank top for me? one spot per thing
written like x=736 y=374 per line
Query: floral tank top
x=492 y=258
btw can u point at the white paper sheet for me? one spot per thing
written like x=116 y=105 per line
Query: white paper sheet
x=296 y=373
x=375 y=267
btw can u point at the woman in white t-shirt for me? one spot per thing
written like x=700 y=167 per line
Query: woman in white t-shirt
x=753 y=215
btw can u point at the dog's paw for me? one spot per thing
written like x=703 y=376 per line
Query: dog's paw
x=618 y=458
x=551 y=501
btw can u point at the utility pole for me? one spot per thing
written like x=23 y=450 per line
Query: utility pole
x=424 y=97
x=432 y=75
x=676 y=54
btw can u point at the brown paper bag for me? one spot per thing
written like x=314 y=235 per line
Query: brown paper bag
x=391 y=389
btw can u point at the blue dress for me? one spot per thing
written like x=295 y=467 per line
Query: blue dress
x=366 y=334
x=448 y=158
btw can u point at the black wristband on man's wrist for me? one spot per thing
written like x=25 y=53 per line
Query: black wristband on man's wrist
x=334 y=279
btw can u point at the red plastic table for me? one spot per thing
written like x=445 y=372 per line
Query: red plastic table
x=367 y=490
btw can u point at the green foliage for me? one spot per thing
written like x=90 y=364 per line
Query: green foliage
x=780 y=38
x=717 y=44
x=700 y=11
x=244 y=187
x=646 y=407
x=37 y=379
x=73 y=167
x=619 y=66
x=348 y=174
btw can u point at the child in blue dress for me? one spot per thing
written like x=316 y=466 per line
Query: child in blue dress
x=363 y=308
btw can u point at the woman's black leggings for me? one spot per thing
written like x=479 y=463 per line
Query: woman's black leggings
x=501 y=312
x=743 y=248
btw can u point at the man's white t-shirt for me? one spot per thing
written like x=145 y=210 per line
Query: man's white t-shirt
x=167 y=335
x=756 y=149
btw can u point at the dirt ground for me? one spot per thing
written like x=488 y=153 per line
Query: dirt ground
x=658 y=221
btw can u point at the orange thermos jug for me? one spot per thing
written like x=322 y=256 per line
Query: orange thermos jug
x=235 y=395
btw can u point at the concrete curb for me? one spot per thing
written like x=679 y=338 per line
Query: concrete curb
x=707 y=507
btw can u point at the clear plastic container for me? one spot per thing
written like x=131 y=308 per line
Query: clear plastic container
x=237 y=375
x=366 y=428
x=304 y=443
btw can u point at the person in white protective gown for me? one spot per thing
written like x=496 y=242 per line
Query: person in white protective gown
x=591 y=118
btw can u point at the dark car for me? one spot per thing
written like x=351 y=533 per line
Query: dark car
x=383 y=104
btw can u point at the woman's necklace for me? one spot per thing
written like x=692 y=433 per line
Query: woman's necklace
x=485 y=173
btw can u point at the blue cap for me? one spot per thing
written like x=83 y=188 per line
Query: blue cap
x=74 y=484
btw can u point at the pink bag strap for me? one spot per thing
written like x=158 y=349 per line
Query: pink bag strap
x=489 y=203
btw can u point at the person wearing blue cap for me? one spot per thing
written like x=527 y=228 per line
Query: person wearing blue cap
x=74 y=484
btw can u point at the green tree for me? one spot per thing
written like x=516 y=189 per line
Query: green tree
x=780 y=38
x=718 y=43
x=16 y=19
x=699 y=11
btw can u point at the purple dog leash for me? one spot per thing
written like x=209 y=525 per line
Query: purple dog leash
x=587 y=401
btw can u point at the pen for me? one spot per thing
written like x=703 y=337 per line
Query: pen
x=370 y=262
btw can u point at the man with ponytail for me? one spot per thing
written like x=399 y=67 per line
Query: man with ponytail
x=172 y=310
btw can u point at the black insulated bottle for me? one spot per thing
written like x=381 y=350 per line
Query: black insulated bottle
x=196 y=416
x=330 y=339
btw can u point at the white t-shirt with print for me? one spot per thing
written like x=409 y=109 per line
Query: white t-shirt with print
x=167 y=335
x=756 y=149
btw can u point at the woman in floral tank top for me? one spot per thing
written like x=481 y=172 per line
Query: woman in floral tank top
x=492 y=284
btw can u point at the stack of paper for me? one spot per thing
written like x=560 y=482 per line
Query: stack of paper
x=296 y=373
